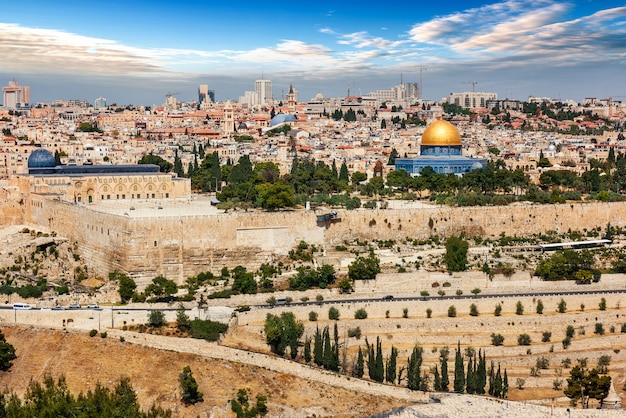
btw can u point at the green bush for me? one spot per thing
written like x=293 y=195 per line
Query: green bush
x=452 y=311
x=360 y=313
x=103 y=334
x=93 y=333
x=207 y=330
x=354 y=333
x=312 y=316
x=523 y=339
x=497 y=339
x=333 y=314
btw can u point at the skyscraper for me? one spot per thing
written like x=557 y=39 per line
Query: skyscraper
x=203 y=93
x=15 y=96
x=263 y=90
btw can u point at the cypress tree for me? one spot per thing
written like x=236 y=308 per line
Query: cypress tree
x=380 y=367
x=459 y=373
x=445 y=379
x=414 y=364
x=497 y=384
x=469 y=378
x=307 y=350
x=390 y=373
x=482 y=373
x=335 y=349
x=359 y=364
x=437 y=379
x=371 y=360
x=491 y=378
x=343 y=172
x=328 y=355
x=505 y=385
x=318 y=348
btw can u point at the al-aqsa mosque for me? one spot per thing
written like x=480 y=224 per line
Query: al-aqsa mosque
x=441 y=149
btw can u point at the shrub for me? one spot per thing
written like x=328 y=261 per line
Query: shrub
x=497 y=339
x=319 y=298
x=562 y=306
x=557 y=384
x=452 y=311
x=599 y=328
x=354 y=333
x=360 y=313
x=103 y=334
x=539 y=307
x=476 y=291
x=429 y=314
x=312 y=316
x=623 y=328
x=519 y=308
x=156 y=319
x=498 y=310
x=333 y=314
x=207 y=330
x=567 y=341
x=546 y=336
x=405 y=313
x=424 y=293
x=543 y=363
x=459 y=292
x=602 y=305
x=93 y=333
x=523 y=339
x=520 y=382
x=569 y=331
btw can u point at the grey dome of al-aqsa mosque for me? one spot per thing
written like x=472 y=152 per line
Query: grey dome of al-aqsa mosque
x=41 y=158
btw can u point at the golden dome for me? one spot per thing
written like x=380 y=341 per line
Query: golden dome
x=441 y=133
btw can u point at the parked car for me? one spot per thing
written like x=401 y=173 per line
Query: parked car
x=388 y=297
x=74 y=306
x=58 y=308
x=93 y=306
x=22 y=306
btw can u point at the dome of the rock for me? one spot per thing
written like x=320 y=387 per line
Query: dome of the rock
x=441 y=133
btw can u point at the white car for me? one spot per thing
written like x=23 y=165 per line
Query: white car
x=93 y=306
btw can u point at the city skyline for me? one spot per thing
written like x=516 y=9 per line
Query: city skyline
x=137 y=53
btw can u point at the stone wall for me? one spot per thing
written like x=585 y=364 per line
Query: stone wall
x=182 y=246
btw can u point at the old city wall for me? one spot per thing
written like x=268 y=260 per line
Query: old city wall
x=180 y=247
x=490 y=221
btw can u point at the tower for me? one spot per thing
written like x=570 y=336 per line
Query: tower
x=15 y=96
x=263 y=90
x=228 y=121
x=291 y=99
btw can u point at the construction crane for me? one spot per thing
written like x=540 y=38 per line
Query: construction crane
x=473 y=83
x=170 y=94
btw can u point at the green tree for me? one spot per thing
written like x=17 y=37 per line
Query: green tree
x=127 y=286
x=539 y=307
x=414 y=369
x=276 y=195
x=359 y=368
x=7 y=354
x=390 y=366
x=583 y=385
x=156 y=319
x=364 y=268
x=283 y=331
x=164 y=166
x=443 y=361
x=161 y=288
x=182 y=319
x=243 y=281
x=455 y=257
x=189 y=387
x=459 y=371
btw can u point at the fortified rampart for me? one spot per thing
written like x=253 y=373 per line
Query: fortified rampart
x=182 y=246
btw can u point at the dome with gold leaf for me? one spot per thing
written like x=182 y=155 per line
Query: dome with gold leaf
x=441 y=133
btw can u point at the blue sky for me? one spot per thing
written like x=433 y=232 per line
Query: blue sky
x=134 y=52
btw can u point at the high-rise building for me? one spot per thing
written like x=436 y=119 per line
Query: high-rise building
x=15 y=96
x=263 y=90
x=203 y=93
x=471 y=99
x=100 y=103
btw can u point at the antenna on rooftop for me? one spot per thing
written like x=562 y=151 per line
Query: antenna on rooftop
x=473 y=83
